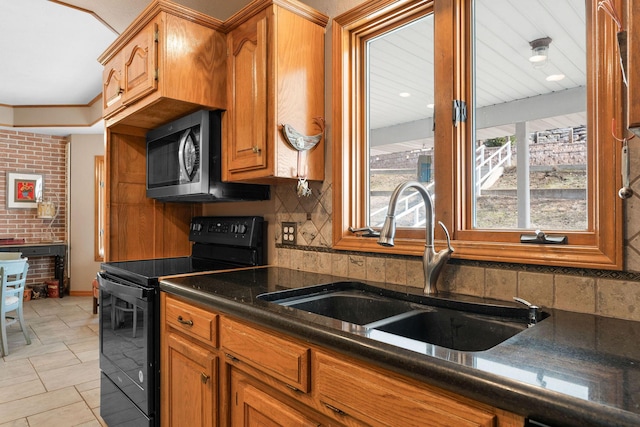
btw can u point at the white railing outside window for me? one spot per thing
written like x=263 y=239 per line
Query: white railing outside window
x=487 y=165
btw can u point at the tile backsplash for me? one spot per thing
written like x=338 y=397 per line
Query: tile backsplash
x=312 y=213
x=602 y=292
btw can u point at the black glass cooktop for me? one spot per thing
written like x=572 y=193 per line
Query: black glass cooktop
x=147 y=272
x=219 y=243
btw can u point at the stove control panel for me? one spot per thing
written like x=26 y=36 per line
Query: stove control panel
x=244 y=231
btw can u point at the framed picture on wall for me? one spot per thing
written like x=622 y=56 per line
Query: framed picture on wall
x=23 y=190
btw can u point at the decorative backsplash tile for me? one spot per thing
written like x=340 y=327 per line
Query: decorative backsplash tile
x=604 y=292
x=312 y=213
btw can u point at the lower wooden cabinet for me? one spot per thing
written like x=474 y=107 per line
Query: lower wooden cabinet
x=283 y=359
x=189 y=365
x=190 y=384
x=253 y=405
x=376 y=398
x=264 y=378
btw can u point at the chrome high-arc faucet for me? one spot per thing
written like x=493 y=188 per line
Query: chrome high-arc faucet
x=432 y=261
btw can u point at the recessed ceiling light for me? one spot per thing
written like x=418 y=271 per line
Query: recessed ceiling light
x=555 y=77
x=404 y=94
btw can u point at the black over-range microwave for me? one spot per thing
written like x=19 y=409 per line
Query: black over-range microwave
x=184 y=163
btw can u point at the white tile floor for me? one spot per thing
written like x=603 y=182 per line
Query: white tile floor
x=55 y=381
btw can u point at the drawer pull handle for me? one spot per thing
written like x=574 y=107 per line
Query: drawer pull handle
x=334 y=409
x=232 y=358
x=289 y=386
x=185 y=322
x=204 y=377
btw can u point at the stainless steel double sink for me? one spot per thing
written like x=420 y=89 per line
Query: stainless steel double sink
x=453 y=324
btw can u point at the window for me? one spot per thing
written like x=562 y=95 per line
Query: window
x=399 y=99
x=529 y=115
x=464 y=48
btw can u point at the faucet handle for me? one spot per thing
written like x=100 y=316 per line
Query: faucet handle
x=446 y=233
x=364 y=232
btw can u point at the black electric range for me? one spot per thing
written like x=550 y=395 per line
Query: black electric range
x=130 y=312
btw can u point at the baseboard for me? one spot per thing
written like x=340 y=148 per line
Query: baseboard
x=81 y=293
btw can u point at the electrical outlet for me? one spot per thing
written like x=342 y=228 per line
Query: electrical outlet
x=289 y=233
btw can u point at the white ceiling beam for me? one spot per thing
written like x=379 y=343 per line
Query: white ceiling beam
x=554 y=104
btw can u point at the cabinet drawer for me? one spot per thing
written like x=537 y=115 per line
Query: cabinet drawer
x=195 y=322
x=282 y=359
x=377 y=399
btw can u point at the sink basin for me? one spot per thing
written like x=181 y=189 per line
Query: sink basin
x=396 y=317
x=456 y=330
x=354 y=306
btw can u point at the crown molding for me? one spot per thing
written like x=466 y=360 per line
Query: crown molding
x=83 y=115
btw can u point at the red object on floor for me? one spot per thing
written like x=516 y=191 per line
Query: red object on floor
x=53 y=288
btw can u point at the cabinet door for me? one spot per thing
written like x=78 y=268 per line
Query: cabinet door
x=189 y=384
x=252 y=406
x=140 y=62
x=112 y=86
x=377 y=399
x=246 y=148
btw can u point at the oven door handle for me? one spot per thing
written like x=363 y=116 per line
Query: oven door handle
x=122 y=289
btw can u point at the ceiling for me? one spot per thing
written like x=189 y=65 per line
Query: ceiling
x=52 y=47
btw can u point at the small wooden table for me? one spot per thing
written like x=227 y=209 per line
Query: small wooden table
x=57 y=250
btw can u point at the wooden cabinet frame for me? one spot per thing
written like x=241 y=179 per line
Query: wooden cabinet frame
x=256 y=374
x=600 y=246
x=275 y=74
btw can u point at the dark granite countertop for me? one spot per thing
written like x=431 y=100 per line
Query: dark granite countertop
x=571 y=369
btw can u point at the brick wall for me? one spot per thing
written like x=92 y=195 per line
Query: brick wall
x=38 y=154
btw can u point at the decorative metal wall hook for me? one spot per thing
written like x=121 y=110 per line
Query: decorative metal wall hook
x=625 y=191
x=613 y=133
x=302 y=144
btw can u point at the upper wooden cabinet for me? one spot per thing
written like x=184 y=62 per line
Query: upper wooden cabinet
x=275 y=71
x=170 y=58
x=131 y=73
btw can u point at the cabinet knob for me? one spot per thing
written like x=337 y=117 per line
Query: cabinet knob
x=185 y=322
x=256 y=149
x=204 y=377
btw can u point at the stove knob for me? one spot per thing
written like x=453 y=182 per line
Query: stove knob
x=242 y=228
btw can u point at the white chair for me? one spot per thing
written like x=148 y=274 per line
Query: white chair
x=13 y=275
x=10 y=255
